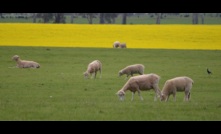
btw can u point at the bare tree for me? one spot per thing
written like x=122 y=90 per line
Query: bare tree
x=59 y=18
x=102 y=18
x=72 y=17
x=195 y=18
x=158 y=18
x=45 y=16
x=124 y=19
x=90 y=17
x=202 y=17
x=34 y=17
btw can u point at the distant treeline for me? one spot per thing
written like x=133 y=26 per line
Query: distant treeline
x=108 y=18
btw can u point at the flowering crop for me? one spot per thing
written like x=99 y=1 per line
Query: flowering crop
x=135 y=36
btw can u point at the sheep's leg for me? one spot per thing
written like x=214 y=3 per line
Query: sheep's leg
x=167 y=98
x=132 y=96
x=157 y=92
x=141 y=98
x=187 y=94
x=100 y=73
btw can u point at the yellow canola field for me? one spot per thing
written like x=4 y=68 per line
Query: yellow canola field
x=135 y=36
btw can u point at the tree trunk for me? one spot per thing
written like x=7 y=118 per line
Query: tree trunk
x=34 y=17
x=124 y=19
x=113 y=20
x=59 y=18
x=89 y=17
x=158 y=18
x=195 y=18
x=72 y=17
x=101 y=18
x=202 y=18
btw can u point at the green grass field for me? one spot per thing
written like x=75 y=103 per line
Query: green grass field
x=58 y=91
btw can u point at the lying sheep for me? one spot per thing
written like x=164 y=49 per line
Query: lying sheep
x=123 y=45
x=132 y=69
x=141 y=83
x=116 y=44
x=25 y=63
x=92 y=68
x=177 y=84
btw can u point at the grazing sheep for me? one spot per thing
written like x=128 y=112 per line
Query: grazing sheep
x=141 y=83
x=123 y=45
x=132 y=69
x=116 y=44
x=25 y=63
x=92 y=68
x=177 y=84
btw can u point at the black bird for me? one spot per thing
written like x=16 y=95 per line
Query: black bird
x=208 y=71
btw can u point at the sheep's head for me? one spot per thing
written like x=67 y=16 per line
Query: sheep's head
x=86 y=75
x=120 y=73
x=162 y=97
x=121 y=94
x=15 y=57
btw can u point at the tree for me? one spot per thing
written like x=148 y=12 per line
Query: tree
x=158 y=18
x=202 y=17
x=59 y=18
x=110 y=17
x=45 y=16
x=34 y=17
x=102 y=18
x=72 y=17
x=195 y=18
x=124 y=18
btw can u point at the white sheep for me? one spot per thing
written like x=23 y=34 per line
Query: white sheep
x=92 y=68
x=116 y=44
x=123 y=45
x=132 y=69
x=25 y=63
x=141 y=83
x=177 y=84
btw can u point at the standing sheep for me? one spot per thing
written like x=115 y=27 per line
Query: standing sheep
x=116 y=44
x=92 y=68
x=179 y=84
x=123 y=45
x=25 y=63
x=132 y=69
x=141 y=83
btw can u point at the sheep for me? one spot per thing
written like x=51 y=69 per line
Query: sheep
x=92 y=68
x=141 y=83
x=179 y=84
x=116 y=44
x=25 y=63
x=123 y=45
x=132 y=69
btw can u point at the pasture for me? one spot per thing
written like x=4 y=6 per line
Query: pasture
x=58 y=90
